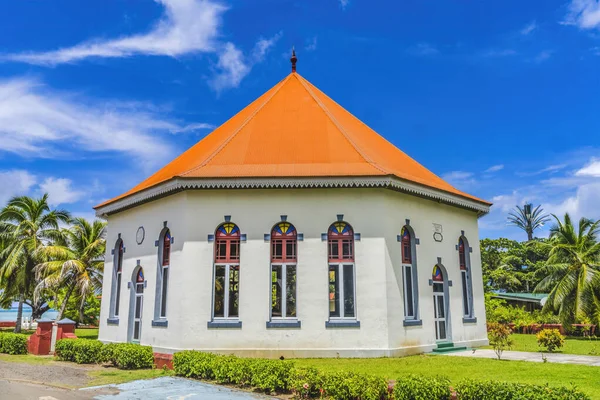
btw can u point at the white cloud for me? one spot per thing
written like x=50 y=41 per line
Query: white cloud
x=15 y=182
x=583 y=203
x=500 y=53
x=233 y=66
x=543 y=56
x=36 y=121
x=585 y=14
x=186 y=26
x=495 y=168
x=311 y=45
x=60 y=191
x=592 y=169
x=344 y=3
x=530 y=27
x=460 y=179
x=423 y=49
x=194 y=127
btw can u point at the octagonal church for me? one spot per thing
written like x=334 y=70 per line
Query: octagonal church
x=294 y=230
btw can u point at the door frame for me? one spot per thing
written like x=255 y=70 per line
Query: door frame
x=133 y=285
x=446 y=293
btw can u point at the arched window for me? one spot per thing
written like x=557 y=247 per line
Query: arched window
x=163 y=272
x=117 y=278
x=465 y=275
x=138 y=305
x=227 y=271
x=284 y=242
x=340 y=241
x=409 y=274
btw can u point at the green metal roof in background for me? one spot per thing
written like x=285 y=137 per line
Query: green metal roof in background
x=533 y=297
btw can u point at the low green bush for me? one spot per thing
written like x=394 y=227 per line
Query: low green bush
x=271 y=375
x=353 y=386
x=492 y=390
x=13 y=343
x=306 y=382
x=194 y=364
x=551 y=339
x=133 y=356
x=64 y=349
x=87 y=351
x=414 y=387
x=231 y=369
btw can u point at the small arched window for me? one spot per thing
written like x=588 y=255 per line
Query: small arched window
x=117 y=278
x=139 y=305
x=465 y=275
x=409 y=274
x=227 y=271
x=342 y=291
x=284 y=243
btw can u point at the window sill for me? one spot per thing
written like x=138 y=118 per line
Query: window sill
x=412 y=322
x=160 y=322
x=112 y=321
x=283 y=324
x=224 y=324
x=469 y=320
x=342 y=324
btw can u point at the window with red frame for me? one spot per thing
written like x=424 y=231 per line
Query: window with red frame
x=340 y=243
x=164 y=277
x=284 y=241
x=410 y=278
x=227 y=271
x=406 y=246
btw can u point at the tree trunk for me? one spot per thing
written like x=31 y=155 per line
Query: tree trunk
x=38 y=309
x=63 y=306
x=81 y=316
x=529 y=235
x=19 y=315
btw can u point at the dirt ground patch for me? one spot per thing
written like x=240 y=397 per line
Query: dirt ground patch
x=52 y=373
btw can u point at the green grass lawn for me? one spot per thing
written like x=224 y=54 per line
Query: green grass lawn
x=573 y=345
x=458 y=368
x=115 y=376
x=87 y=333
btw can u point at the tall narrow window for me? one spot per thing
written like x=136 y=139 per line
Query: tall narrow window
x=164 y=272
x=342 y=291
x=227 y=271
x=409 y=276
x=118 y=277
x=283 y=270
x=465 y=275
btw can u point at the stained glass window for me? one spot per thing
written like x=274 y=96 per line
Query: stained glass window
x=340 y=242
x=227 y=271
x=283 y=270
x=227 y=243
x=406 y=246
x=461 y=254
x=437 y=275
x=340 y=245
x=140 y=276
x=166 y=250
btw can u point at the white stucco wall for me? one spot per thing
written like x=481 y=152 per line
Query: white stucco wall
x=377 y=214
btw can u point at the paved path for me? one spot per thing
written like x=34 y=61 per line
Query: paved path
x=530 y=356
x=168 y=388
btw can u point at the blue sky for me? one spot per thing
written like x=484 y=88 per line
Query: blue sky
x=499 y=98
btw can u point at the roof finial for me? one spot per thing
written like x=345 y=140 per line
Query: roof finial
x=293 y=59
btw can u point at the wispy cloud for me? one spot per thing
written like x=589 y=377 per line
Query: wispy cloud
x=495 y=168
x=186 y=26
x=592 y=169
x=499 y=53
x=38 y=121
x=194 y=127
x=233 y=65
x=15 y=182
x=549 y=169
x=423 y=49
x=529 y=28
x=344 y=3
x=311 y=44
x=585 y=14
x=543 y=56
x=460 y=179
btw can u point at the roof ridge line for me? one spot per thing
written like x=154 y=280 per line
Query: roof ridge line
x=339 y=126
x=230 y=138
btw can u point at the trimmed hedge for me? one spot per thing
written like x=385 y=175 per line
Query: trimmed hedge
x=414 y=387
x=491 y=390
x=13 y=343
x=120 y=355
x=283 y=377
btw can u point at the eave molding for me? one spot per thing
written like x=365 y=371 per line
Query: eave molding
x=393 y=183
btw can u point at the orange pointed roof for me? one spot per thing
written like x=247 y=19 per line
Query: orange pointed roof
x=294 y=130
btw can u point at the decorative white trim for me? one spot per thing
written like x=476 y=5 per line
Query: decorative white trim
x=393 y=183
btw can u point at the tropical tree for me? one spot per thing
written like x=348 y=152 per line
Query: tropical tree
x=528 y=218
x=26 y=224
x=76 y=265
x=572 y=274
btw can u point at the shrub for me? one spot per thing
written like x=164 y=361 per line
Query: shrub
x=271 y=375
x=132 y=356
x=491 y=390
x=65 y=349
x=415 y=387
x=353 y=386
x=108 y=354
x=551 y=339
x=499 y=336
x=194 y=364
x=306 y=382
x=231 y=369
x=86 y=351
x=13 y=343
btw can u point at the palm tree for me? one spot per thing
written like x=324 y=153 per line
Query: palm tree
x=528 y=219
x=572 y=274
x=75 y=265
x=26 y=224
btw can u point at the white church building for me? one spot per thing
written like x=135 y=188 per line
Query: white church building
x=294 y=230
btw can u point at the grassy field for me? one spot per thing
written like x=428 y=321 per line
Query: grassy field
x=573 y=345
x=84 y=333
x=115 y=376
x=458 y=368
